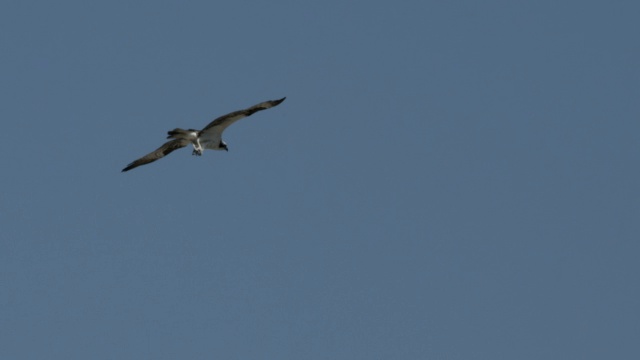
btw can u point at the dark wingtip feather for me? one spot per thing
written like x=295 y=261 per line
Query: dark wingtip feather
x=129 y=167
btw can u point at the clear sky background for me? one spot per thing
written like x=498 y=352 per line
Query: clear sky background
x=446 y=180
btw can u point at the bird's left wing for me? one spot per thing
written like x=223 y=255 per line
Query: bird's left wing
x=159 y=153
x=221 y=123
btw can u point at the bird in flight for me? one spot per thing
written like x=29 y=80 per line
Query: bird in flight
x=208 y=138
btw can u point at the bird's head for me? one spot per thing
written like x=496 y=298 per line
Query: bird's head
x=223 y=145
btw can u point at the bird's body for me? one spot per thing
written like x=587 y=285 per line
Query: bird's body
x=208 y=138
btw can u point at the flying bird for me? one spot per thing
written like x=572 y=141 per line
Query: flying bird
x=208 y=138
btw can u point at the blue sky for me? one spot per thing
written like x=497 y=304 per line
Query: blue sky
x=446 y=180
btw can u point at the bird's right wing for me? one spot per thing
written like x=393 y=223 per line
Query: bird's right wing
x=218 y=125
x=159 y=153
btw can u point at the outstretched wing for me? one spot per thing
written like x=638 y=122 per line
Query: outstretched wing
x=218 y=125
x=159 y=153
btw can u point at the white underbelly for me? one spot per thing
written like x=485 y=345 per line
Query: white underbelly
x=210 y=141
x=211 y=145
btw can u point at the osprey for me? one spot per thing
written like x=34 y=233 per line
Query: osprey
x=208 y=138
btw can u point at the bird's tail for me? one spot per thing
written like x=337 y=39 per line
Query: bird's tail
x=177 y=133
